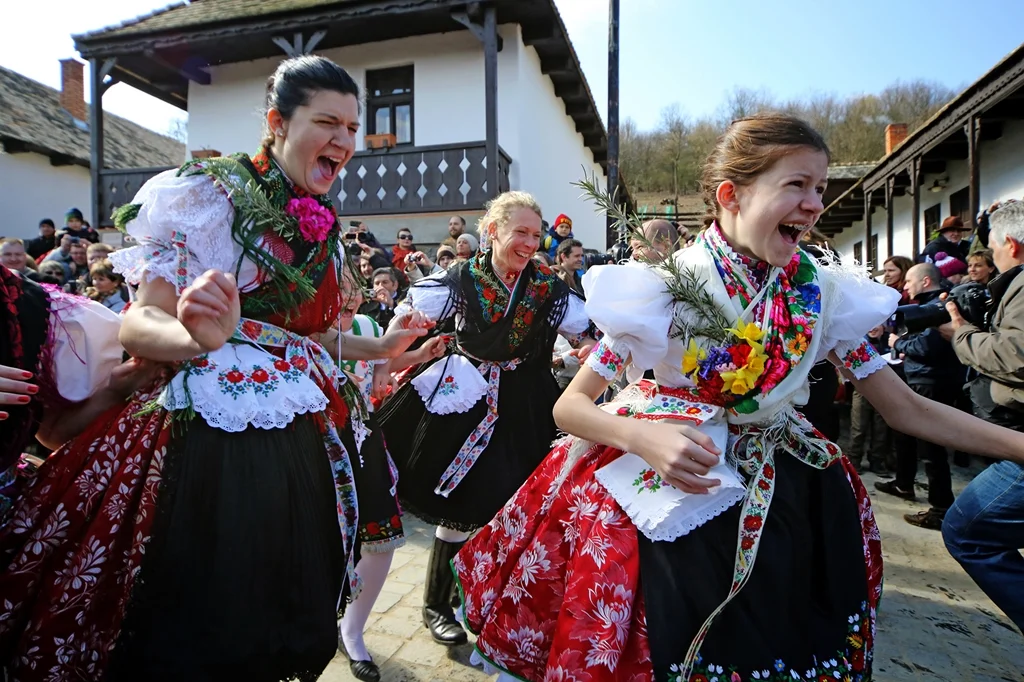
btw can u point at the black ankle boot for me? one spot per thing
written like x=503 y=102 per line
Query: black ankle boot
x=437 y=611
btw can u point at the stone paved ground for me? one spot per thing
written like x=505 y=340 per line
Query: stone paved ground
x=935 y=625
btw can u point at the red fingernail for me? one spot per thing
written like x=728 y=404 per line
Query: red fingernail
x=33 y=389
x=3 y=415
x=23 y=399
x=27 y=375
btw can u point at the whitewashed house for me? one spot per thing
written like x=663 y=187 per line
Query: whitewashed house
x=468 y=99
x=968 y=155
x=45 y=149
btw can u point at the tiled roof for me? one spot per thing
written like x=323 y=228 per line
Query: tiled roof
x=202 y=12
x=849 y=171
x=30 y=112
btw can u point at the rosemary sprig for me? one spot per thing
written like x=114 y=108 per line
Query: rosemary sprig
x=682 y=283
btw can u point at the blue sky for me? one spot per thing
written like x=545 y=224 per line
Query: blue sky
x=690 y=52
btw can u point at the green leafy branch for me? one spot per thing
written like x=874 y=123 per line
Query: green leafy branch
x=682 y=283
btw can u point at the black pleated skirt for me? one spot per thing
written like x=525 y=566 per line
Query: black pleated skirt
x=423 y=445
x=804 y=604
x=244 y=572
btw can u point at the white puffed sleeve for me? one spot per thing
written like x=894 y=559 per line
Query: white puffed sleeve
x=853 y=305
x=632 y=307
x=575 y=321
x=183 y=229
x=85 y=346
x=429 y=296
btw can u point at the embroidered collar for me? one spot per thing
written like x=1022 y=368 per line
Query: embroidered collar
x=496 y=297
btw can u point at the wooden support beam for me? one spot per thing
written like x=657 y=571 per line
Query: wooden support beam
x=540 y=33
x=868 y=208
x=973 y=130
x=194 y=74
x=490 y=41
x=890 y=185
x=914 y=171
x=471 y=21
x=557 y=67
x=61 y=160
x=299 y=45
x=98 y=72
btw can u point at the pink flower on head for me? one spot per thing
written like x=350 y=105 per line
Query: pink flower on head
x=315 y=221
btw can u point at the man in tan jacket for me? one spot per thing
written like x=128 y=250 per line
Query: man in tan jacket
x=984 y=529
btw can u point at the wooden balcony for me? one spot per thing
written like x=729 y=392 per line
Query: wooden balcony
x=377 y=182
x=418 y=180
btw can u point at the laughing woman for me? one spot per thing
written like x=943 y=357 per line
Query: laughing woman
x=207 y=528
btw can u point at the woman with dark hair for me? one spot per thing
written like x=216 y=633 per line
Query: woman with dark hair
x=208 y=528
x=895 y=274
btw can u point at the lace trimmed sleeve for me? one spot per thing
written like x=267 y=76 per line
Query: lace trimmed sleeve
x=854 y=305
x=632 y=308
x=183 y=229
x=85 y=345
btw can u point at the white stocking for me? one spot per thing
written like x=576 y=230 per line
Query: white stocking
x=373 y=571
x=450 y=534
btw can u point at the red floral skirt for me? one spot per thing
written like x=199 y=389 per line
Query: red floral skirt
x=552 y=586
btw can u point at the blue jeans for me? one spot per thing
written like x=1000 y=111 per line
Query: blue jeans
x=983 y=531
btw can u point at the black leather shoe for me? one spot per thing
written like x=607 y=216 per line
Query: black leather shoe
x=444 y=629
x=366 y=671
x=890 y=488
x=438 y=615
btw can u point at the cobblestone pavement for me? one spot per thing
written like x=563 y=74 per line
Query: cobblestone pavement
x=934 y=625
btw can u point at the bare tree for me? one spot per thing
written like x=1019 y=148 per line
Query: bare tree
x=178 y=129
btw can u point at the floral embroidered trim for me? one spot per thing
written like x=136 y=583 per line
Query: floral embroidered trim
x=860 y=358
x=383 y=530
x=845 y=666
x=605 y=361
x=494 y=297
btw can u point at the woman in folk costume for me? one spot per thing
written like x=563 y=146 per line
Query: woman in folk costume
x=380 y=520
x=630 y=553
x=207 y=528
x=469 y=428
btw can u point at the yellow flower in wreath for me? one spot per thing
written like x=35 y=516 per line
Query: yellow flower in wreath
x=749 y=332
x=691 y=357
x=744 y=379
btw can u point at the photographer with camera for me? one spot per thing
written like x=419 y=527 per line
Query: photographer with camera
x=984 y=529
x=359 y=242
x=932 y=371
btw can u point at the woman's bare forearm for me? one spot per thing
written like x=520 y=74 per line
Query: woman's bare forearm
x=150 y=332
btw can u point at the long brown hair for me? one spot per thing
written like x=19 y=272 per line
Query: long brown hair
x=903 y=263
x=749 y=147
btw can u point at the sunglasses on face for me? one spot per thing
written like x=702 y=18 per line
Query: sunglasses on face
x=405 y=236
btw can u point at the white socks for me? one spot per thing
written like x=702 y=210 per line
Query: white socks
x=450 y=535
x=373 y=570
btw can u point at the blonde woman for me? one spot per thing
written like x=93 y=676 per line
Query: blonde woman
x=458 y=462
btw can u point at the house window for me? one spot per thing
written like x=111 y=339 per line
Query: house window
x=873 y=252
x=389 y=108
x=858 y=252
x=932 y=218
x=960 y=205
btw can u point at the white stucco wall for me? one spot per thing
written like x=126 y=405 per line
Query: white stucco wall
x=551 y=155
x=533 y=128
x=1001 y=176
x=33 y=190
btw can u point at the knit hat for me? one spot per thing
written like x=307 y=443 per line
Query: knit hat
x=46 y=221
x=73 y=213
x=949 y=265
x=443 y=250
x=562 y=218
x=469 y=239
x=951 y=223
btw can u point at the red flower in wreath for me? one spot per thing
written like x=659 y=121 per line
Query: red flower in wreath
x=235 y=377
x=282 y=366
x=747 y=543
x=396 y=521
x=201 y=362
x=739 y=354
x=753 y=523
x=260 y=376
x=373 y=528
x=299 y=363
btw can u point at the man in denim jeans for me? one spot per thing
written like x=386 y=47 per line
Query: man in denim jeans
x=984 y=529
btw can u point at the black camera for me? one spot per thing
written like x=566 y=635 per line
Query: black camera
x=592 y=259
x=971 y=300
x=352 y=249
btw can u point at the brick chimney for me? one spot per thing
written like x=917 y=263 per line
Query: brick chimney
x=205 y=153
x=72 y=88
x=895 y=133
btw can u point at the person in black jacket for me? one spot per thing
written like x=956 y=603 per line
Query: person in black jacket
x=950 y=241
x=934 y=371
x=45 y=242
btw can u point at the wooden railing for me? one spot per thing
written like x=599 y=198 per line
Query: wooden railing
x=418 y=179
x=119 y=186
